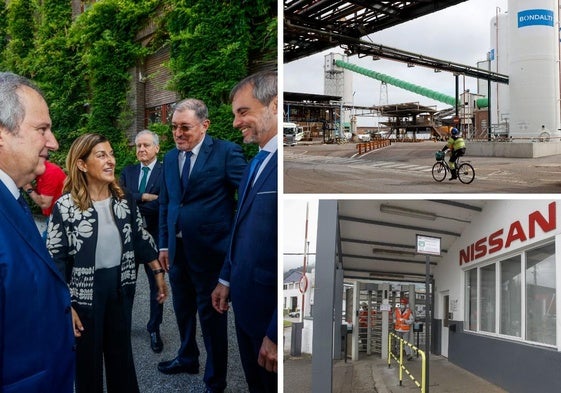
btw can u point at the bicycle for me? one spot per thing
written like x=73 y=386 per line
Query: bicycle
x=465 y=171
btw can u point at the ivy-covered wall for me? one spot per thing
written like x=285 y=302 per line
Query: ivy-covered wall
x=83 y=65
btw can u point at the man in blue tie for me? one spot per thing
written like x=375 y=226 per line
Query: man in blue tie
x=249 y=274
x=143 y=182
x=36 y=339
x=197 y=205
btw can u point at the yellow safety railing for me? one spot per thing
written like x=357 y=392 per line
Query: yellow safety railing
x=399 y=359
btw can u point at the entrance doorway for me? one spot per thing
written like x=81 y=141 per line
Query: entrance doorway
x=374 y=308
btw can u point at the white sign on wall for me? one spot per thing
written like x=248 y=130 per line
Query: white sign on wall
x=428 y=245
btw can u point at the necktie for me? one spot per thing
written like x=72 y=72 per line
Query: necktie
x=185 y=170
x=24 y=206
x=142 y=186
x=255 y=165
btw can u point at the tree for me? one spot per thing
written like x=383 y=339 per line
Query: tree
x=59 y=73
x=20 y=27
x=84 y=65
x=211 y=47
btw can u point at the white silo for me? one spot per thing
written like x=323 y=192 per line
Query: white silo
x=338 y=81
x=533 y=67
x=498 y=57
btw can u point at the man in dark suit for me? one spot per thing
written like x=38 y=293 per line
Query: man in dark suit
x=249 y=275
x=143 y=182
x=36 y=336
x=197 y=204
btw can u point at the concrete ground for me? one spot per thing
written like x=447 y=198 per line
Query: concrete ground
x=402 y=168
x=372 y=374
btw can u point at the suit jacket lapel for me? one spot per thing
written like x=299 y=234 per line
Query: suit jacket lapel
x=136 y=177
x=172 y=167
x=202 y=157
x=153 y=176
x=25 y=228
x=252 y=191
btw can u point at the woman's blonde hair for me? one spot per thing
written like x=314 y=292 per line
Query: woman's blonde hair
x=76 y=182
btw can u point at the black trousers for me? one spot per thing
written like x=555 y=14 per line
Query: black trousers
x=454 y=156
x=191 y=291
x=106 y=337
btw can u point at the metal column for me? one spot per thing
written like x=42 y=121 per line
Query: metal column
x=322 y=347
x=428 y=320
x=356 y=308
x=338 y=311
x=385 y=310
x=412 y=294
x=489 y=131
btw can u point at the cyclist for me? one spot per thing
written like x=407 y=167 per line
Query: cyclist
x=458 y=147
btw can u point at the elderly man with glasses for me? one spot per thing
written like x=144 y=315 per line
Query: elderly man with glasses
x=197 y=205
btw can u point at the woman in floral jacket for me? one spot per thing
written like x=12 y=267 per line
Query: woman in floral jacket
x=95 y=237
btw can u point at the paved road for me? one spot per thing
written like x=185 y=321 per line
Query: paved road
x=406 y=168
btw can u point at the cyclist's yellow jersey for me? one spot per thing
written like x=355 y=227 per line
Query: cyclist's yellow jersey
x=456 y=144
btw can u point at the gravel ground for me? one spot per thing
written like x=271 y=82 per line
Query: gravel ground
x=150 y=379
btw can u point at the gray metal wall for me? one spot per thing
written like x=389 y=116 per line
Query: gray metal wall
x=516 y=367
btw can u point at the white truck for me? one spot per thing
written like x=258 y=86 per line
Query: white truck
x=292 y=133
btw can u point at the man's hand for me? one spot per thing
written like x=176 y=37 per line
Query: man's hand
x=164 y=260
x=268 y=355
x=162 y=288
x=220 y=298
x=76 y=324
x=148 y=197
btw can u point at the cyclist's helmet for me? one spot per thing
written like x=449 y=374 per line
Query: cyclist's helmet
x=454 y=131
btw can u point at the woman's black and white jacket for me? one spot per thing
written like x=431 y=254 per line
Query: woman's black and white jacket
x=72 y=239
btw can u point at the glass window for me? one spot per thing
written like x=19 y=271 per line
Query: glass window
x=488 y=298
x=471 y=299
x=511 y=296
x=540 y=294
x=158 y=114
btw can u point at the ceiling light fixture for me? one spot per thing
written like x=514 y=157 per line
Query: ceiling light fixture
x=393 y=252
x=403 y=211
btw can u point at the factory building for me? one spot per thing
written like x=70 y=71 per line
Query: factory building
x=491 y=305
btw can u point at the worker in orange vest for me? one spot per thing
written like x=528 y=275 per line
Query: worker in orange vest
x=404 y=318
x=363 y=316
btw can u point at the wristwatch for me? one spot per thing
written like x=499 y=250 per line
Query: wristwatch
x=29 y=191
x=158 y=271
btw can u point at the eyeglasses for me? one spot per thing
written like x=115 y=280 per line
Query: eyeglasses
x=183 y=127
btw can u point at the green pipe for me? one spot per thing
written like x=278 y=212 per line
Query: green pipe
x=399 y=83
x=482 y=102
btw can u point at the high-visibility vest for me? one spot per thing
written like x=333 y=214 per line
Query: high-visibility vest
x=363 y=318
x=456 y=144
x=401 y=319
